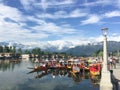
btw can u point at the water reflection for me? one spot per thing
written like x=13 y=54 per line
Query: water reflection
x=77 y=77
x=8 y=64
x=18 y=76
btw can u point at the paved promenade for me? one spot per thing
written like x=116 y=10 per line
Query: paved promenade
x=116 y=74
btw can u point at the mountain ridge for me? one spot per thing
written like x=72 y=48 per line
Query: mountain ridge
x=52 y=46
x=90 y=49
x=74 y=48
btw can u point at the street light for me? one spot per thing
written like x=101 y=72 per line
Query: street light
x=104 y=30
x=105 y=57
x=105 y=83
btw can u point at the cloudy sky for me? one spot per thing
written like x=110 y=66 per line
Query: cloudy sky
x=52 y=20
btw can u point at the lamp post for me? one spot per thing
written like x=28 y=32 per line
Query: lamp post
x=105 y=83
x=105 y=57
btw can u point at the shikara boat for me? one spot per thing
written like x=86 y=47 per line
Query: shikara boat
x=95 y=69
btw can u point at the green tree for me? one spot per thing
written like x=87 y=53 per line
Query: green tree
x=94 y=54
x=27 y=52
x=11 y=49
x=1 y=49
x=20 y=51
x=99 y=53
x=6 y=49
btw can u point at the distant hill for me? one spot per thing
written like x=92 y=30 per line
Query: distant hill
x=88 y=50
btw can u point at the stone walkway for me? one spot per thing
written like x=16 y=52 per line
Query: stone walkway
x=116 y=73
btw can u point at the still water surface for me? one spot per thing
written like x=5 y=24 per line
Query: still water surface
x=16 y=76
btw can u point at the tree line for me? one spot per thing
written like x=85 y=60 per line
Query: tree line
x=39 y=53
x=35 y=52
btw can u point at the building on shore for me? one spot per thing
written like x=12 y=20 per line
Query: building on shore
x=5 y=55
x=25 y=56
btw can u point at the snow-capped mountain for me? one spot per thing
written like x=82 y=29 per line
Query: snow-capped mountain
x=58 y=45
x=55 y=46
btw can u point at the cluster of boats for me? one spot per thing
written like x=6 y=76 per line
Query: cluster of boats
x=93 y=67
x=73 y=68
x=75 y=65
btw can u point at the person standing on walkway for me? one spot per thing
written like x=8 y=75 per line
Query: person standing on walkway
x=111 y=63
x=114 y=62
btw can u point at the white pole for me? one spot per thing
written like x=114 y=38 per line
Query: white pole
x=105 y=57
x=105 y=83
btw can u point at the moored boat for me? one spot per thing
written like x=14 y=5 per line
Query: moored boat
x=95 y=69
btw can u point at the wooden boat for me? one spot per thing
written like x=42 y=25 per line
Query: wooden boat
x=37 y=69
x=57 y=66
x=95 y=69
x=40 y=68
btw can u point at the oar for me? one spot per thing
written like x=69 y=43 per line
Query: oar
x=31 y=72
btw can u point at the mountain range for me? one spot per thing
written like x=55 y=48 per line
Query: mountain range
x=75 y=48
x=52 y=46
x=91 y=48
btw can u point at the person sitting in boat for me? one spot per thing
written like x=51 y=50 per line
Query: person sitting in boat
x=94 y=61
x=75 y=68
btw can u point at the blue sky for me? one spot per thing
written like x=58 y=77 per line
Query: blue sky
x=55 y=20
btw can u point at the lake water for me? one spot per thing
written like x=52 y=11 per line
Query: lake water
x=17 y=76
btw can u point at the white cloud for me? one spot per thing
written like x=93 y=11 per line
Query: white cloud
x=44 y=4
x=117 y=38
x=114 y=3
x=55 y=2
x=98 y=2
x=112 y=14
x=114 y=37
x=35 y=19
x=21 y=31
x=91 y=20
x=15 y=31
x=54 y=29
x=10 y=12
x=61 y=13
x=77 y=13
